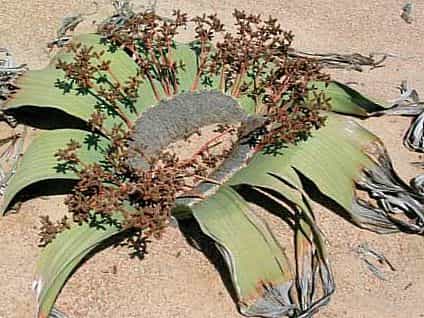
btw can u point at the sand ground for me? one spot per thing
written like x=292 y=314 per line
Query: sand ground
x=174 y=280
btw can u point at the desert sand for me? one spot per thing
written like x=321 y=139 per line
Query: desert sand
x=175 y=280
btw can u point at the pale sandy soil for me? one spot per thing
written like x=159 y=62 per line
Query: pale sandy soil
x=174 y=280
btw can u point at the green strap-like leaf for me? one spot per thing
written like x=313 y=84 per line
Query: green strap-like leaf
x=313 y=269
x=332 y=157
x=62 y=256
x=38 y=89
x=39 y=163
x=346 y=100
x=258 y=266
x=336 y=160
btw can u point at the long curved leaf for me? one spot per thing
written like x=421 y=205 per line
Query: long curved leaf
x=258 y=266
x=338 y=144
x=39 y=163
x=340 y=159
x=313 y=269
x=346 y=100
x=62 y=256
x=38 y=88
